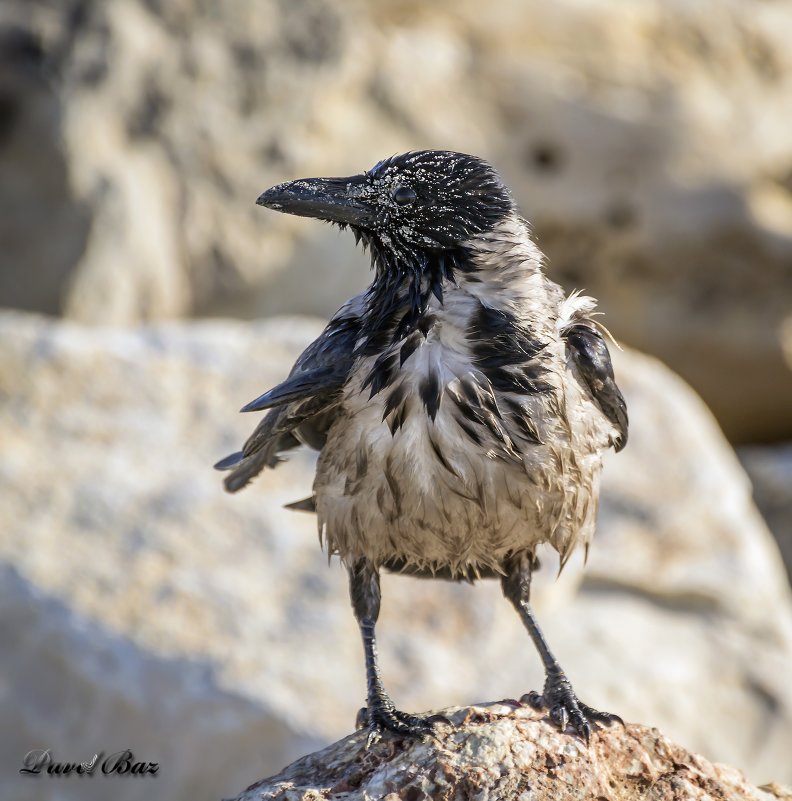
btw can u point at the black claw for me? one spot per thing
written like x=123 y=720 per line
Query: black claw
x=559 y=716
x=374 y=735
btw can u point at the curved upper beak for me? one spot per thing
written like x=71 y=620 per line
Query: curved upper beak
x=334 y=199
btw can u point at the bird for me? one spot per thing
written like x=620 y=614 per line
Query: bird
x=460 y=404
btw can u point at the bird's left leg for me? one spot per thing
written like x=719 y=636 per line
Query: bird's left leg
x=380 y=713
x=558 y=695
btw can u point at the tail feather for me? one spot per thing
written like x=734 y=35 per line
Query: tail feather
x=305 y=505
x=230 y=461
x=249 y=468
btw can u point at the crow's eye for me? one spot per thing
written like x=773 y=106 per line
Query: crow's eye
x=403 y=195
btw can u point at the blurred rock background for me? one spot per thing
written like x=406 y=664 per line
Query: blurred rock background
x=648 y=142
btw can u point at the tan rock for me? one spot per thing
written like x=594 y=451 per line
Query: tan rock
x=495 y=752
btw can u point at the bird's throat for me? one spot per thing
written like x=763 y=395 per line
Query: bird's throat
x=399 y=296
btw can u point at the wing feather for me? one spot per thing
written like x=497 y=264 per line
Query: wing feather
x=301 y=408
x=587 y=347
x=296 y=387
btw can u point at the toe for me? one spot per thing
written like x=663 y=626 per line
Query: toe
x=533 y=699
x=584 y=730
x=411 y=724
x=362 y=718
x=407 y=718
x=607 y=718
x=401 y=723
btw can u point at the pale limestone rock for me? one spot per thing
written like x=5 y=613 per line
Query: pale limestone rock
x=647 y=141
x=207 y=632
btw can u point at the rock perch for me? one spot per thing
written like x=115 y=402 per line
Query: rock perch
x=497 y=752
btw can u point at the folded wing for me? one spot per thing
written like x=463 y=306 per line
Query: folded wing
x=587 y=347
x=301 y=408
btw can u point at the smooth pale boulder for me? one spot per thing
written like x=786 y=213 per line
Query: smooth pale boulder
x=647 y=142
x=150 y=610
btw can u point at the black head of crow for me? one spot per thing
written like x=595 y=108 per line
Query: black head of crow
x=460 y=404
x=408 y=208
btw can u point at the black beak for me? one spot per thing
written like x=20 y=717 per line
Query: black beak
x=334 y=199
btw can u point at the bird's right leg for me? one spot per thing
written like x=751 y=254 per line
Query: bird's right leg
x=558 y=695
x=380 y=713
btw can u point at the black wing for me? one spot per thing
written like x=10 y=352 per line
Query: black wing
x=587 y=347
x=302 y=407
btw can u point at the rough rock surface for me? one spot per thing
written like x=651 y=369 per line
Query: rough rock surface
x=647 y=141
x=150 y=610
x=502 y=754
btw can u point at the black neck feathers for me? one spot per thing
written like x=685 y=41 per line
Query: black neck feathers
x=398 y=298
